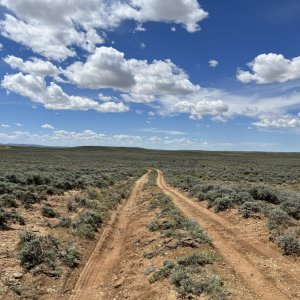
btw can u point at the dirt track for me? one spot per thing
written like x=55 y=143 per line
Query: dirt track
x=97 y=272
x=259 y=268
x=247 y=257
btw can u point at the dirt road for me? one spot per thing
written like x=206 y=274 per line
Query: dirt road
x=263 y=270
x=98 y=271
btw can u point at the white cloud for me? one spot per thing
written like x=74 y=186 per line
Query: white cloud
x=5 y=125
x=52 y=96
x=168 y=132
x=140 y=80
x=1 y=46
x=269 y=68
x=34 y=66
x=213 y=63
x=173 y=28
x=199 y=108
x=51 y=28
x=285 y=121
x=142 y=45
x=48 y=126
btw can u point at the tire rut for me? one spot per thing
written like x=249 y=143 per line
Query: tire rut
x=241 y=255
x=98 y=271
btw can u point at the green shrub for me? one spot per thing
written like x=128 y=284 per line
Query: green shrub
x=289 y=245
x=65 y=222
x=71 y=206
x=35 y=250
x=249 y=209
x=163 y=272
x=27 y=198
x=222 y=204
x=265 y=193
x=240 y=197
x=9 y=216
x=292 y=207
x=8 y=201
x=49 y=212
x=197 y=258
x=71 y=256
x=214 y=287
x=277 y=218
x=87 y=223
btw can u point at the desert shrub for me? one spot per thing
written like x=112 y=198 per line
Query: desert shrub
x=27 y=198
x=240 y=197
x=223 y=203
x=265 y=193
x=71 y=256
x=49 y=212
x=214 y=287
x=289 y=244
x=8 y=201
x=35 y=250
x=93 y=193
x=292 y=207
x=163 y=272
x=153 y=226
x=71 y=206
x=84 y=202
x=277 y=218
x=65 y=222
x=87 y=224
x=197 y=258
x=185 y=285
x=249 y=209
x=9 y=216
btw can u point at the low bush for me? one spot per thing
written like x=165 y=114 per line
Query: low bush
x=197 y=258
x=65 y=222
x=27 y=198
x=240 y=197
x=223 y=203
x=35 y=250
x=292 y=207
x=265 y=193
x=289 y=244
x=87 y=224
x=71 y=256
x=8 y=200
x=9 y=216
x=71 y=206
x=277 y=218
x=249 y=209
x=49 y=212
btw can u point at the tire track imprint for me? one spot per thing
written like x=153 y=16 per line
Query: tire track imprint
x=242 y=255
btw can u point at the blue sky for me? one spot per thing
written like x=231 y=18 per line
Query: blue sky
x=173 y=74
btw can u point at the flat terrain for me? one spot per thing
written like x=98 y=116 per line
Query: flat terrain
x=202 y=226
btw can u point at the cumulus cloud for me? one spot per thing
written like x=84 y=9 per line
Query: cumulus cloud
x=269 y=68
x=196 y=105
x=52 y=96
x=213 y=63
x=48 y=126
x=142 y=81
x=34 y=66
x=284 y=121
x=4 y=125
x=51 y=28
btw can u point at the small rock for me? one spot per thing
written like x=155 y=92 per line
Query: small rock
x=17 y=275
x=118 y=284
